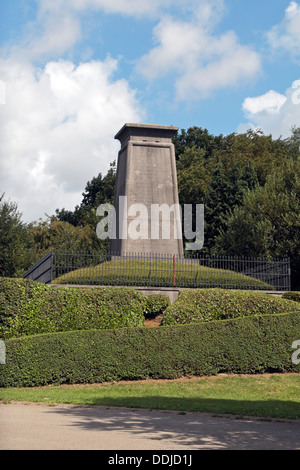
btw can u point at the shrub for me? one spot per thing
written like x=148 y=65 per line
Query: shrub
x=28 y=307
x=155 y=304
x=197 y=305
x=292 y=296
x=245 y=345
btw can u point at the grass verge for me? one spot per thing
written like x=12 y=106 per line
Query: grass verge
x=266 y=395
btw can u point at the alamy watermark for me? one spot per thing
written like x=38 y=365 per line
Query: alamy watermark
x=296 y=354
x=296 y=93
x=2 y=352
x=159 y=221
x=2 y=92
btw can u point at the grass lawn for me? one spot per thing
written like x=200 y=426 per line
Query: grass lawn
x=159 y=273
x=266 y=395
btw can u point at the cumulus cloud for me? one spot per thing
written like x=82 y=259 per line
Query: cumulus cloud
x=270 y=103
x=286 y=35
x=58 y=25
x=201 y=60
x=58 y=118
x=273 y=112
x=57 y=130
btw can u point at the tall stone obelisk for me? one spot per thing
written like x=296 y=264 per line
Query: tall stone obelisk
x=146 y=192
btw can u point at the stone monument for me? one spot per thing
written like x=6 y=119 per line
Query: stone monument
x=147 y=212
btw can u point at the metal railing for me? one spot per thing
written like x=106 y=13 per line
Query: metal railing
x=42 y=270
x=156 y=270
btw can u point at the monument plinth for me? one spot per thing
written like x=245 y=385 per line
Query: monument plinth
x=146 y=191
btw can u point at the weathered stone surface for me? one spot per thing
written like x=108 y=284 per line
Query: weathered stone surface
x=146 y=175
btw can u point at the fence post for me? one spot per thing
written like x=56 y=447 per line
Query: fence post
x=173 y=270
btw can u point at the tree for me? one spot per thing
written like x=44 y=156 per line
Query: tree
x=52 y=234
x=196 y=138
x=15 y=254
x=216 y=205
x=225 y=193
x=262 y=151
x=268 y=221
x=100 y=189
x=193 y=176
x=293 y=142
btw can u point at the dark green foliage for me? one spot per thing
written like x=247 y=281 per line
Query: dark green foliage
x=13 y=294
x=15 y=244
x=292 y=296
x=28 y=307
x=196 y=137
x=246 y=345
x=155 y=304
x=199 y=305
x=267 y=223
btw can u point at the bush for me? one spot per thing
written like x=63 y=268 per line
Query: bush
x=245 y=345
x=197 y=305
x=292 y=296
x=28 y=307
x=155 y=304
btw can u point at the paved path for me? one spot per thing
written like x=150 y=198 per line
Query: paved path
x=63 y=427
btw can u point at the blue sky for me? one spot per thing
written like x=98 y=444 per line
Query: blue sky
x=73 y=72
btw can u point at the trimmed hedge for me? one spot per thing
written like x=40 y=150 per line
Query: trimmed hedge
x=292 y=296
x=155 y=304
x=197 y=305
x=246 y=345
x=28 y=307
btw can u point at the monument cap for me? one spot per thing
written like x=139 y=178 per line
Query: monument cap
x=145 y=130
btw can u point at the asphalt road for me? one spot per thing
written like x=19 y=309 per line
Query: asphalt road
x=32 y=426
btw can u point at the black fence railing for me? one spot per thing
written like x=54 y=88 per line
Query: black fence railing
x=157 y=270
x=42 y=270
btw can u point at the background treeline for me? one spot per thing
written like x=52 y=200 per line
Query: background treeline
x=249 y=185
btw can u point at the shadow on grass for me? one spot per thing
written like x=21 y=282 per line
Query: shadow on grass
x=197 y=431
x=265 y=408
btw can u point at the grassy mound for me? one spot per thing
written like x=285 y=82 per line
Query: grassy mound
x=198 y=305
x=160 y=273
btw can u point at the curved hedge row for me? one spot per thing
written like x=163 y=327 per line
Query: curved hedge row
x=28 y=307
x=197 y=305
x=292 y=295
x=246 y=345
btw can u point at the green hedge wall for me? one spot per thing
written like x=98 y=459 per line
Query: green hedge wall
x=28 y=307
x=197 y=305
x=155 y=304
x=246 y=345
x=293 y=295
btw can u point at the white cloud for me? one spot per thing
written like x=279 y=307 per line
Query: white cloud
x=271 y=103
x=57 y=130
x=201 y=60
x=58 y=25
x=286 y=35
x=51 y=35
x=273 y=112
x=135 y=8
